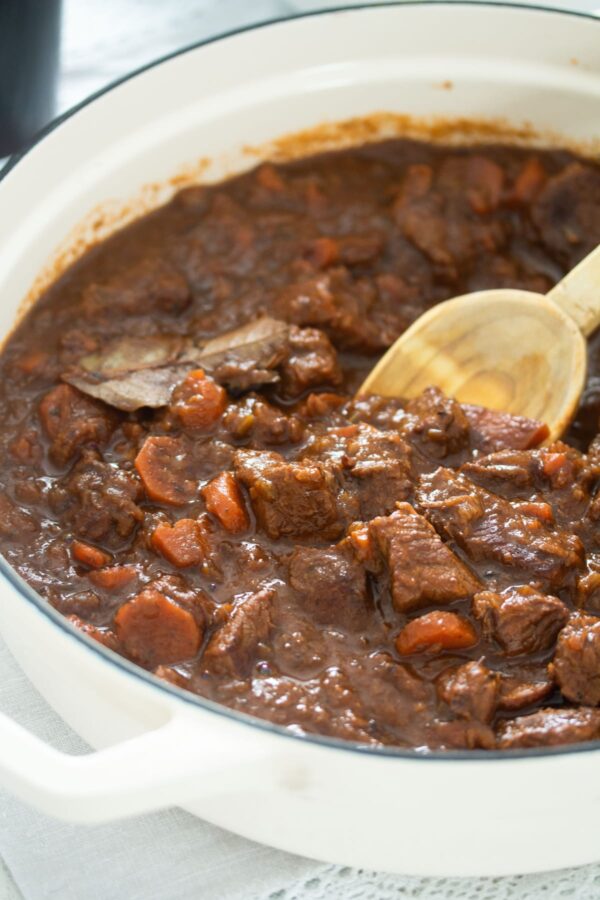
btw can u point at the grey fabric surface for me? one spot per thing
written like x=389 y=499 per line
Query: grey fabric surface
x=165 y=856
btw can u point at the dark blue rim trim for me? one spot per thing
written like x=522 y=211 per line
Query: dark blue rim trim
x=193 y=699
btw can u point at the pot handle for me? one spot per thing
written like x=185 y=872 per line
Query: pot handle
x=175 y=762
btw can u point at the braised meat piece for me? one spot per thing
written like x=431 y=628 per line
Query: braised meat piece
x=521 y=619
x=488 y=527
x=440 y=212
x=440 y=429
x=558 y=475
x=232 y=648
x=331 y=586
x=565 y=213
x=294 y=499
x=421 y=568
x=16 y=525
x=577 y=660
x=72 y=420
x=380 y=465
x=152 y=285
x=257 y=423
x=471 y=691
x=549 y=727
x=311 y=362
x=525 y=685
x=98 y=502
x=492 y=430
x=338 y=304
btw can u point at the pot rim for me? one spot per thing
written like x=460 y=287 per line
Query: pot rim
x=131 y=669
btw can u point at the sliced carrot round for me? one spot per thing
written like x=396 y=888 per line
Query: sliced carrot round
x=163 y=465
x=224 y=500
x=436 y=630
x=198 y=401
x=88 y=555
x=553 y=463
x=182 y=544
x=154 y=630
x=113 y=578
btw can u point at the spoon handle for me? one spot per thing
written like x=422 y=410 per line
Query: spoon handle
x=578 y=294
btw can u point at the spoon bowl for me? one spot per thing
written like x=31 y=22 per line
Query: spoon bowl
x=505 y=349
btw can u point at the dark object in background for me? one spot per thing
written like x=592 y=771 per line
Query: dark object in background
x=29 y=49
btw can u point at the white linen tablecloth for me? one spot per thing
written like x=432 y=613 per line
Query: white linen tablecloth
x=171 y=855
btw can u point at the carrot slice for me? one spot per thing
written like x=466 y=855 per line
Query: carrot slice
x=163 y=466
x=113 y=578
x=323 y=252
x=32 y=362
x=198 y=401
x=182 y=544
x=224 y=500
x=88 y=555
x=528 y=182
x=436 y=630
x=538 y=509
x=154 y=630
x=360 y=539
x=553 y=463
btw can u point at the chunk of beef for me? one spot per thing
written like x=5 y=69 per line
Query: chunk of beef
x=419 y=213
x=471 y=691
x=493 y=430
x=566 y=213
x=258 y=423
x=98 y=501
x=588 y=585
x=508 y=473
x=72 y=420
x=390 y=696
x=521 y=619
x=549 y=727
x=380 y=461
x=557 y=474
x=377 y=464
x=440 y=429
x=422 y=569
x=525 y=685
x=488 y=527
x=16 y=525
x=577 y=660
x=233 y=648
x=441 y=212
x=477 y=178
x=293 y=499
x=152 y=285
x=331 y=586
x=311 y=362
x=338 y=304
x=387 y=413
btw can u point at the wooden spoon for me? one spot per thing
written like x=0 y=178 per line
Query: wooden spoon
x=506 y=349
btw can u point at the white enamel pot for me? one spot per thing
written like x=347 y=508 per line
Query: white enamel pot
x=454 y=814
